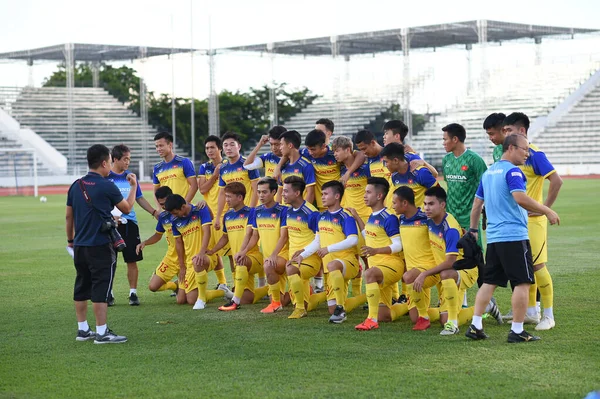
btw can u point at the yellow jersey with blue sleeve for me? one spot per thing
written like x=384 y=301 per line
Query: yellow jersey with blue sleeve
x=301 y=168
x=355 y=191
x=444 y=238
x=335 y=227
x=419 y=180
x=207 y=170
x=301 y=224
x=235 y=172
x=536 y=169
x=164 y=227
x=326 y=169
x=234 y=225
x=380 y=229
x=189 y=228
x=414 y=233
x=174 y=174
x=268 y=222
x=269 y=162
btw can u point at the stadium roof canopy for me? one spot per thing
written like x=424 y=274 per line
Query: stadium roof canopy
x=90 y=52
x=420 y=37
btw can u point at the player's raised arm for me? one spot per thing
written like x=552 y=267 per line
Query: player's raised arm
x=252 y=163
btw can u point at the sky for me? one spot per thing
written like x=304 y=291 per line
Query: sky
x=27 y=24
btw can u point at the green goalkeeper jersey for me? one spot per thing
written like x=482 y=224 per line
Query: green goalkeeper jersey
x=497 y=154
x=462 y=175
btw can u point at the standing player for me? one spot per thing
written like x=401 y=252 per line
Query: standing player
x=173 y=171
x=395 y=131
x=382 y=245
x=248 y=261
x=536 y=169
x=493 y=126
x=297 y=166
x=300 y=227
x=269 y=160
x=128 y=224
x=326 y=126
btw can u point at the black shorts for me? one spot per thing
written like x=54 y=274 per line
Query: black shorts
x=131 y=235
x=508 y=261
x=95 y=268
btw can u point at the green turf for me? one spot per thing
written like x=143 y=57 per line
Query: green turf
x=176 y=352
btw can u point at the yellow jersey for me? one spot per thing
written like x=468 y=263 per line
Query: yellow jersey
x=174 y=175
x=335 y=227
x=415 y=241
x=189 y=228
x=268 y=222
x=235 y=224
x=444 y=237
x=380 y=228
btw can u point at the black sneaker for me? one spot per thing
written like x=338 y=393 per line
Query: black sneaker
x=133 y=299
x=338 y=316
x=523 y=336
x=402 y=299
x=85 y=335
x=111 y=300
x=475 y=333
x=109 y=337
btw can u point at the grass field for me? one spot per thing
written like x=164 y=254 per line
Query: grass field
x=176 y=352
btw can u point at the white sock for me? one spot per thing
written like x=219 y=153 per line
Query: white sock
x=101 y=330
x=455 y=322
x=375 y=320
x=133 y=291
x=262 y=281
x=517 y=327
x=548 y=312
x=84 y=326
x=531 y=311
x=236 y=300
x=538 y=306
x=318 y=282
x=477 y=323
x=465 y=303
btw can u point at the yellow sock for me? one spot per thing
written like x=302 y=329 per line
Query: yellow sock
x=315 y=300
x=241 y=280
x=167 y=286
x=398 y=310
x=356 y=286
x=451 y=297
x=297 y=286
x=337 y=284
x=465 y=315
x=260 y=292
x=233 y=276
x=532 y=295
x=544 y=283
x=373 y=298
x=434 y=314
x=202 y=280
x=354 y=302
x=395 y=291
x=221 y=276
x=212 y=294
x=418 y=298
x=275 y=291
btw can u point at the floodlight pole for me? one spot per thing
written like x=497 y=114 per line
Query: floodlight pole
x=469 y=48
x=538 y=51
x=335 y=52
x=213 y=97
x=70 y=66
x=272 y=90
x=405 y=36
x=173 y=122
x=193 y=115
x=143 y=113
x=482 y=35
x=95 y=74
x=30 y=65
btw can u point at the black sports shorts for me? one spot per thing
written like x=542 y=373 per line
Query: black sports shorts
x=95 y=268
x=131 y=235
x=508 y=261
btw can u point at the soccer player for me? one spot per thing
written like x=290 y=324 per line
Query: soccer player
x=297 y=166
x=508 y=255
x=418 y=180
x=269 y=160
x=127 y=223
x=382 y=245
x=336 y=245
x=326 y=126
x=191 y=226
x=536 y=169
x=266 y=223
x=395 y=131
x=417 y=253
x=173 y=171
x=493 y=126
x=248 y=261
x=299 y=228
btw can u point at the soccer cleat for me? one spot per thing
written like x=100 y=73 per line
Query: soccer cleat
x=402 y=299
x=199 y=305
x=368 y=324
x=111 y=300
x=229 y=306
x=134 y=300
x=449 y=329
x=297 y=314
x=523 y=336
x=174 y=293
x=85 y=335
x=318 y=290
x=422 y=324
x=226 y=290
x=475 y=333
x=338 y=316
x=508 y=316
x=532 y=319
x=492 y=310
x=109 y=337
x=546 y=324
x=272 y=308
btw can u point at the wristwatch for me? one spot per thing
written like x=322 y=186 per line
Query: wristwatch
x=472 y=230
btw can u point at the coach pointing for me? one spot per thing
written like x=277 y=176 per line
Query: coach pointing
x=508 y=256
x=89 y=223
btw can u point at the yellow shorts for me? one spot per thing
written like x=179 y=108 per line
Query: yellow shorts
x=351 y=268
x=167 y=269
x=391 y=276
x=538 y=238
x=257 y=266
x=189 y=283
x=467 y=278
x=217 y=234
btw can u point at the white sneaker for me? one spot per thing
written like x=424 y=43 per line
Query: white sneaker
x=532 y=319
x=199 y=305
x=226 y=290
x=449 y=329
x=508 y=316
x=546 y=324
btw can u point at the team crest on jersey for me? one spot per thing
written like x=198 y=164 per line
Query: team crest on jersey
x=417 y=223
x=273 y=215
x=175 y=166
x=194 y=217
x=239 y=169
x=330 y=163
x=241 y=215
x=377 y=221
x=440 y=234
x=464 y=167
x=296 y=171
x=335 y=220
x=410 y=181
x=299 y=218
x=355 y=174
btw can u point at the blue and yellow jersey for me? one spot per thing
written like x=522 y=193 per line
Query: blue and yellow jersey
x=301 y=168
x=354 y=194
x=536 y=169
x=336 y=227
x=174 y=175
x=326 y=169
x=268 y=222
x=378 y=169
x=419 y=180
x=379 y=231
x=444 y=238
x=189 y=228
x=414 y=233
x=207 y=170
x=235 y=224
x=120 y=180
x=301 y=224
x=165 y=226
x=269 y=162
x=235 y=172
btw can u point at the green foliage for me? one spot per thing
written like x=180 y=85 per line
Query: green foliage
x=394 y=111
